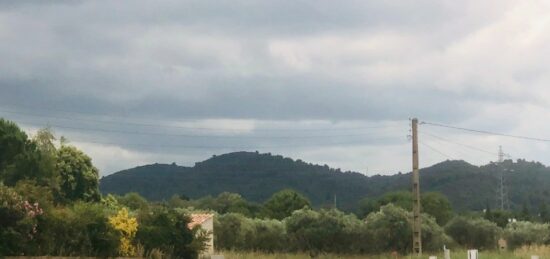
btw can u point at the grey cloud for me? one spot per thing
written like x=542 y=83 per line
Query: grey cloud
x=177 y=60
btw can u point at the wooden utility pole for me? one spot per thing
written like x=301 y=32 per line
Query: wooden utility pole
x=417 y=220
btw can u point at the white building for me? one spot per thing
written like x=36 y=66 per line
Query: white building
x=206 y=222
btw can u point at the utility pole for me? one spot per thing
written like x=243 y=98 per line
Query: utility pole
x=417 y=220
x=502 y=198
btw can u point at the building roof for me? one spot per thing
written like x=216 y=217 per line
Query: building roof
x=198 y=219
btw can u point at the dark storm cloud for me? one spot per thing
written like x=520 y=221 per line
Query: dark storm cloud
x=289 y=62
x=104 y=56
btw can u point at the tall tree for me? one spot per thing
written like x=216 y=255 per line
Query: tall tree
x=283 y=203
x=78 y=177
x=437 y=205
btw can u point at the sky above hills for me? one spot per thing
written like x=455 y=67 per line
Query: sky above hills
x=335 y=82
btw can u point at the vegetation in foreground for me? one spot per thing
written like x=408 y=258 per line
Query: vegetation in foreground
x=50 y=205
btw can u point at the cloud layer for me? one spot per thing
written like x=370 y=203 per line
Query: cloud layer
x=261 y=66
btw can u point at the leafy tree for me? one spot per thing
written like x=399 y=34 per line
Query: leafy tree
x=437 y=205
x=13 y=141
x=225 y=202
x=166 y=229
x=525 y=215
x=499 y=217
x=433 y=203
x=21 y=158
x=81 y=229
x=270 y=235
x=134 y=201
x=526 y=233
x=544 y=214
x=323 y=231
x=234 y=232
x=473 y=232
x=283 y=203
x=390 y=229
x=79 y=178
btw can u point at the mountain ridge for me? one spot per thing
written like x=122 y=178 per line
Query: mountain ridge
x=258 y=175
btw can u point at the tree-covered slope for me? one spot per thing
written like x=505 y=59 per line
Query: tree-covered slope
x=257 y=176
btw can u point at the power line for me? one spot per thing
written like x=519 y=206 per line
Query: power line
x=457 y=143
x=117 y=131
x=486 y=132
x=182 y=127
x=437 y=151
x=221 y=147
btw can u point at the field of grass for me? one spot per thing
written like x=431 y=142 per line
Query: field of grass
x=523 y=253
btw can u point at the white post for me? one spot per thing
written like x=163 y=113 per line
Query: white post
x=472 y=254
x=534 y=257
x=432 y=257
x=447 y=254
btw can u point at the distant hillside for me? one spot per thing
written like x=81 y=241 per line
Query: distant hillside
x=256 y=176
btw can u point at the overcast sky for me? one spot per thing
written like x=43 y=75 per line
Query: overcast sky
x=329 y=82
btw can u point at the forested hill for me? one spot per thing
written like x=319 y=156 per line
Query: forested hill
x=256 y=176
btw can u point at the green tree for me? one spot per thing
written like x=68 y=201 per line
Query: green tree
x=283 y=203
x=133 y=201
x=13 y=141
x=402 y=199
x=499 y=217
x=233 y=231
x=78 y=177
x=322 y=231
x=473 y=232
x=433 y=203
x=80 y=229
x=437 y=205
x=526 y=233
x=390 y=229
x=225 y=202
x=544 y=214
x=21 y=157
x=166 y=229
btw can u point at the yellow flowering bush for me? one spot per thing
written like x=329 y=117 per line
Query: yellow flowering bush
x=128 y=227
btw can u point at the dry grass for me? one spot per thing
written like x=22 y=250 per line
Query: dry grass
x=523 y=253
x=527 y=251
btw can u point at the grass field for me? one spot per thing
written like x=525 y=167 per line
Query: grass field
x=523 y=253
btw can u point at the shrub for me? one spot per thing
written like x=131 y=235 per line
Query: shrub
x=473 y=232
x=166 y=229
x=526 y=233
x=323 y=231
x=233 y=231
x=391 y=230
x=18 y=221
x=80 y=230
x=127 y=226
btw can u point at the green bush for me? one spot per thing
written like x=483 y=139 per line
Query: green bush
x=526 y=233
x=270 y=235
x=322 y=231
x=391 y=230
x=79 y=230
x=166 y=229
x=17 y=227
x=233 y=231
x=473 y=232
x=283 y=203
